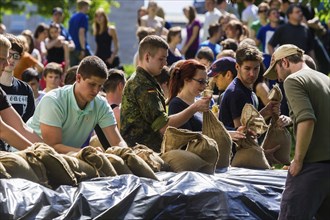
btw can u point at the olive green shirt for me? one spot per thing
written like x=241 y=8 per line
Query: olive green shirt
x=308 y=95
x=143 y=111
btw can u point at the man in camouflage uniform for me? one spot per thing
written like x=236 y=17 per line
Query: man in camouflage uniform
x=143 y=111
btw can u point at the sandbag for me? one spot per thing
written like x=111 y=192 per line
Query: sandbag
x=215 y=129
x=17 y=167
x=277 y=142
x=36 y=164
x=207 y=149
x=249 y=154
x=203 y=146
x=155 y=162
x=138 y=166
x=97 y=160
x=118 y=163
x=3 y=172
x=175 y=139
x=119 y=151
x=81 y=169
x=181 y=160
x=95 y=142
x=58 y=170
x=135 y=163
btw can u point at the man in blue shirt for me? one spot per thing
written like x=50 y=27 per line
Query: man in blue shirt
x=78 y=28
x=240 y=90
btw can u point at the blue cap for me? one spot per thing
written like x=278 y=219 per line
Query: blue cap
x=222 y=65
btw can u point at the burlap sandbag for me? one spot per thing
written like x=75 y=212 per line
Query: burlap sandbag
x=95 y=142
x=155 y=162
x=135 y=163
x=81 y=169
x=181 y=160
x=138 y=166
x=118 y=163
x=17 y=167
x=277 y=142
x=249 y=154
x=214 y=129
x=119 y=151
x=36 y=164
x=97 y=160
x=58 y=170
x=207 y=149
x=175 y=139
x=3 y=172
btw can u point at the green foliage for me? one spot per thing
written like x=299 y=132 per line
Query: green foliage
x=7 y=6
x=129 y=69
x=44 y=8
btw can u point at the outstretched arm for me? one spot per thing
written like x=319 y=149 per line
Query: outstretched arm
x=11 y=118
x=12 y=137
x=113 y=136
x=53 y=137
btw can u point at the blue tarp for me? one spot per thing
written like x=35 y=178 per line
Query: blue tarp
x=234 y=194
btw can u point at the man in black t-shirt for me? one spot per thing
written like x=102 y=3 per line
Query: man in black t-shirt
x=12 y=128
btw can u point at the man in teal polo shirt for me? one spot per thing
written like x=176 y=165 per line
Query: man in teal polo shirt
x=66 y=116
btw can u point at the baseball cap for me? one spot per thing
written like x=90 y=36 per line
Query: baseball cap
x=57 y=10
x=281 y=52
x=222 y=65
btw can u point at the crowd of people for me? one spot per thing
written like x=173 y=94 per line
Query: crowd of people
x=54 y=90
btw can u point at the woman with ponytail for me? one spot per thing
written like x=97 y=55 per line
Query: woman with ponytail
x=188 y=79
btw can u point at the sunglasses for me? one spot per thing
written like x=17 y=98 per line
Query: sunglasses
x=262 y=11
x=15 y=56
x=201 y=81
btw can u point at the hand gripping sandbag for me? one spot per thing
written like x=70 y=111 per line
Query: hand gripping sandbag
x=277 y=142
x=81 y=169
x=17 y=167
x=249 y=154
x=58 y=170
x=214 y=129
x=135 y=163
x=155 y=162
x=97 y=160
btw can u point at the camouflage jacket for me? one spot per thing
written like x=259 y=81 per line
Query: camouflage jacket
x=143 y=111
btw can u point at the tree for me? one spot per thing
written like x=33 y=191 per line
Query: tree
x=44 y=8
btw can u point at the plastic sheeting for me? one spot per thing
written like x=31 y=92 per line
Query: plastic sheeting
x=235 y=194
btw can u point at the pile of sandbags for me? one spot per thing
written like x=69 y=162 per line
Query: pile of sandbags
x=277 y=142
x=249 y=154
x=40 y=163
x=185 y=150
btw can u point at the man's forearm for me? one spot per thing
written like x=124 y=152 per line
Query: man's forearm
x=63 y=149
x=303 y=138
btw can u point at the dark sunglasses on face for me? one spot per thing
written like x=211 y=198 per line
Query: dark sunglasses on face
x=262 y=11
x=201 y=81
x=15 y=56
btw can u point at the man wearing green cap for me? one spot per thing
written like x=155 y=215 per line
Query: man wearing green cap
x=307 y=190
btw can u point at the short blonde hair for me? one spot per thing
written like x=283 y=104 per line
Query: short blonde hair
x=4 y=42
